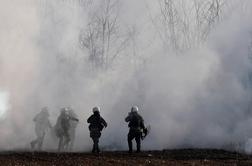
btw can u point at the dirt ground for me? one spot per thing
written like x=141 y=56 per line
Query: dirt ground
x=189 y=157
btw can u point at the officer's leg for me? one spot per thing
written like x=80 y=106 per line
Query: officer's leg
x=40 y=141
x=138 y=141
x=92 y=135
x=130 y=138
x=33 y=143
x=72 y=139
x=60 y=143
x=93 y=150
x=66 y=140
x=95 y=145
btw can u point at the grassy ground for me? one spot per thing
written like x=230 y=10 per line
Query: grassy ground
x=194 y=157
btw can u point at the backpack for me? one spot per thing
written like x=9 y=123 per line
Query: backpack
x=96 y=124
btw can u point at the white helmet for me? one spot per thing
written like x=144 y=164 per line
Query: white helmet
x=134 y=109
x=67 y=108
x=96 y=109
x=64 y=110
x=45 y=111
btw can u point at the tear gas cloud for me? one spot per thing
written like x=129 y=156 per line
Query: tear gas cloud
x=200 y=97
x=4 y=98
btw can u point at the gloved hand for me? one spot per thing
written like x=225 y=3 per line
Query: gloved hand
x=145 y=131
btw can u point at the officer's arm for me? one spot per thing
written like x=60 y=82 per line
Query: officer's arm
x=35 y=118
x=89 y=119
x=49 y=124
x=75 y=119
x=127 y=119
x=104 y=122
x=142 y=123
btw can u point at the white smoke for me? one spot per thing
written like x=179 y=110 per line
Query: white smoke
x=200 y=98
x=4 y=104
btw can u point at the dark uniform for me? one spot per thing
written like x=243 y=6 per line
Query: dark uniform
x=97 y=123
x=136 y=126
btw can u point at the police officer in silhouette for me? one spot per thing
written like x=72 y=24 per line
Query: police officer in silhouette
x=42 y=124
x=136 y=128
x=96 y=125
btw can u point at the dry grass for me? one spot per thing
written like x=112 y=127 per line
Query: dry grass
x=190 y=157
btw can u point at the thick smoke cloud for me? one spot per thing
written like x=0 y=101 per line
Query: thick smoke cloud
x=200 y=98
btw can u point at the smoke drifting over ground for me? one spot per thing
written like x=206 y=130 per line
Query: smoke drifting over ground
x=197 y=98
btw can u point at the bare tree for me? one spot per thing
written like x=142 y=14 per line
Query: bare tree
x=207 y=15
x=103 y=37
x=186 y=24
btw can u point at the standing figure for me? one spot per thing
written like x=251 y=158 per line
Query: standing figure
x=62 y=129
x=97 y=123
x=42 y=124
x=136 y=127
x=73 y=126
